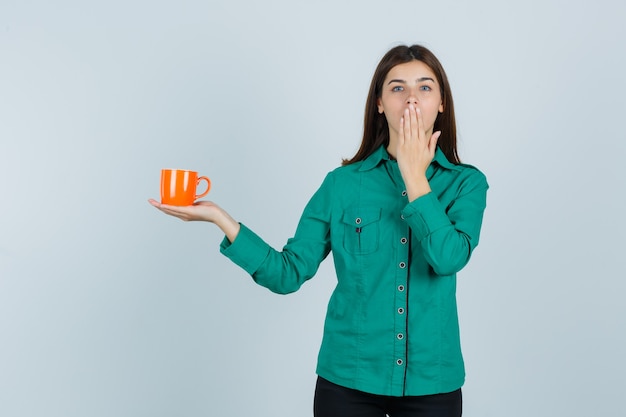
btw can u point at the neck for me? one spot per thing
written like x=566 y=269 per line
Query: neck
x=393 y=144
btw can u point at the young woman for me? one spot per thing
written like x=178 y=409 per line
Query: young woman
x=401 y=217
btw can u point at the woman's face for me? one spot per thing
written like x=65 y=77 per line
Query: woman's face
x=410 y=83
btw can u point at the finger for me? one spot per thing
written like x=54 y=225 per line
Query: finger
x=177 y=210
x=181 y=212
x=401 y=132
x=414 y=122
x=420 y=124
x=407 y=125
x=161 y=206
x=174 y=211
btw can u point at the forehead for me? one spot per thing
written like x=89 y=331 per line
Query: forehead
x=410 y=71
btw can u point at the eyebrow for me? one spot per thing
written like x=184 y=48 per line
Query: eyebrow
x=419 y=80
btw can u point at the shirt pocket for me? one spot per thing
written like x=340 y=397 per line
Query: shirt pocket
x=361 y=230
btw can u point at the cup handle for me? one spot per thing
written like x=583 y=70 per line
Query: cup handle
x=208 y=186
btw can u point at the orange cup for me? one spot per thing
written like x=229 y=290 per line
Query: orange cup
x=178 y=187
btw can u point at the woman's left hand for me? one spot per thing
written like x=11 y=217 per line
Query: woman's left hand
x=415 y=151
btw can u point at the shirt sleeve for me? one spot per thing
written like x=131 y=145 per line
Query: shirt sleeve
x=448 y=235
x=285 y=271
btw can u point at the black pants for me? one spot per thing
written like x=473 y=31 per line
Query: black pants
x=332 y=400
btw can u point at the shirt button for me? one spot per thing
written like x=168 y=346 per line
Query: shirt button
x=400 y=310
x=399 y=362
x=402 y=265
x=400 y=288
x=402 y=216
x=400 y=336
x=358 y=220
x=403 y=240
x=404 y=193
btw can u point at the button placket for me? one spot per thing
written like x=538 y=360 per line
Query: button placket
x=402 y=269
x=400 y=324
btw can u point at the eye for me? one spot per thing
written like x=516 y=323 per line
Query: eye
x=425 y=88
x=397 y=88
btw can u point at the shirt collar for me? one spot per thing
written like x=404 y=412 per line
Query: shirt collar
x=381 y=155
x=374 y=159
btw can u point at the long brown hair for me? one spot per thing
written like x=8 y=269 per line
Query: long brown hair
x=375 y=127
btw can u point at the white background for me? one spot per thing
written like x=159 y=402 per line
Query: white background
x=110 y=308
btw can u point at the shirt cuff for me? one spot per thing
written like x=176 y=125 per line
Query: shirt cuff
x=248 y=250
x=425 y=215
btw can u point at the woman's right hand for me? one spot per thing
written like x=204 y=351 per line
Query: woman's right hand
x=202 y=211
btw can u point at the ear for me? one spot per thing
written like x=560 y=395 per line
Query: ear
x=381 y=110
x=441 y=108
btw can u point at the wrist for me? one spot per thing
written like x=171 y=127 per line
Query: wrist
x=417 y=188
x=228 y=225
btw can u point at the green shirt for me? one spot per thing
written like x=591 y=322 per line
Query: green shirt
x=391 y=326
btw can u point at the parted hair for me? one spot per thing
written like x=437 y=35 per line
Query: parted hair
x=375 y=127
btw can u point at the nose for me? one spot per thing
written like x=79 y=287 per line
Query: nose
x=412 y=97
